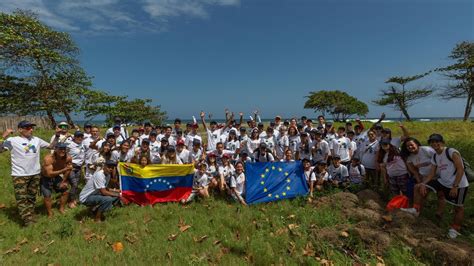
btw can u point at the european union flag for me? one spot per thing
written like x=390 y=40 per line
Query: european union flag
x=274 y=181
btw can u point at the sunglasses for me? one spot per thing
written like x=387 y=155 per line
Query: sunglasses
x=63 y=127
x=28 y=128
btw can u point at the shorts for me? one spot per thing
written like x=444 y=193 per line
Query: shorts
x=437 y=187
x=48 y=185
x=398 y=184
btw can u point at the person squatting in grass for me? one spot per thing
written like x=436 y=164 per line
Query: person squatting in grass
x=55 y=174
x=95 y=193
x=451 y=185
x=25 y=164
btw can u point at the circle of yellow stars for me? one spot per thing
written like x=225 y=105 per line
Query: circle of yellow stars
x=265 y=175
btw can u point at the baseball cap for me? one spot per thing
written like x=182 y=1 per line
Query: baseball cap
x=180 y=142
x=435 y=137
x=211 y=154
x=171 y=148
x=226 y=155
x=147 y=124
x=243 y=129
x=146 y=140
x=263 y=145
x=86 y=125
x=110 y=135
x=111 y=163
x=260 y=125
x=196 y=142
x=78 y=134
x=25 y=123
x=277 y=117
x=60 y=145
x=164 y=140
x=384 y=141
x=116 y=127
x=63 y=124
x=154 y=133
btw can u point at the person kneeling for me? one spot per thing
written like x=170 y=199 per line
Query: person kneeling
x=200 y=183
x=95 y=193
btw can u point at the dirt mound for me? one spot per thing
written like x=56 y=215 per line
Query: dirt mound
x=377 y=229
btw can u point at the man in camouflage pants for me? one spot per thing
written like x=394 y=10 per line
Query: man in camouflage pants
x=25 y=158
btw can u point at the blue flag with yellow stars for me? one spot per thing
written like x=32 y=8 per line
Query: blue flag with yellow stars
x=274 y=181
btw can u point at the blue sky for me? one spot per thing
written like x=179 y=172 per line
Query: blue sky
x=192 y=55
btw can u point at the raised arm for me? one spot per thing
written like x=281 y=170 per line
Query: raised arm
x=241 y=120
x=202 y=115
x=4 y=136
x=55 y=140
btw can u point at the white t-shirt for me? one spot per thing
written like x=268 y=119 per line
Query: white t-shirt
x=422 y=160
x=77 y=152
x=252 y=145
x=368 y=154
x=270 y=141
x=189 y=140
x=184 y=156
x=294 y=143
x=340 y=173
x=396 y=167
x=238 y=182
x=305 y=151
x=321 y=150
x=98 y=181
x=195 y=155
x=447 y=169
x=324 y=176
x=232 y=145
x=227 y=172
x=200 y=181
x=25 y=154
x=89 y=152
x=281 y=145
x=123 y=132
x=356 y=173
x=341 y=146
x=119 y=157
x=213 y=138
x=309 y=175
x=329 y=138
x=155 y=152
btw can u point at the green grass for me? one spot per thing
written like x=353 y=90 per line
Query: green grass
x=233 y=234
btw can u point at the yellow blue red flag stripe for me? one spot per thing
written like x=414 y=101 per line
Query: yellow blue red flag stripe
x=155 y=183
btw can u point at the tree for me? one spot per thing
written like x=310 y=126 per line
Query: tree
x=399 y=97
x=337 y=103
x=44 y=61
x=462 y=74
x=135 y=111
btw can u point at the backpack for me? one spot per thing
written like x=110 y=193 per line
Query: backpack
x=467 y=167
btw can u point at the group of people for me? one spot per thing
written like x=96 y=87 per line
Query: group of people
x=347 y=156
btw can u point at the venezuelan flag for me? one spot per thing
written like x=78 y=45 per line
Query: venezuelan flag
x=155 y=183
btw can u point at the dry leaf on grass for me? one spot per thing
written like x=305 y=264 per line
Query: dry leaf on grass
x=147 y=219
x=281 y=231
x=181 y=222
x=36 y=250
x=172 y=237
x=2 y=206
x=169 y=255
x=184 y=228
x=292 y=216
x=308 y=250
x=22 y=242
x=201 y=239
x=344 y=234
x=217 y=242
x=50 y=243
x=291 y=248
x=117 y=247
x=132 y=238
x=293 y=226
x=12 y=250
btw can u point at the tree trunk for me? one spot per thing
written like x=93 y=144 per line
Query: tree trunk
x=405 y=113
x=68 y=118
x=52 y=121
x=468 y=109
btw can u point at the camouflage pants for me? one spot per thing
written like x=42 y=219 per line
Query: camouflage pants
x=26 y=188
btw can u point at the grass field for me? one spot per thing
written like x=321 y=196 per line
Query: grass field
x=220 y=232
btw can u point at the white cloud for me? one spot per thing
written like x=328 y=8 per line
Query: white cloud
x=100 y=16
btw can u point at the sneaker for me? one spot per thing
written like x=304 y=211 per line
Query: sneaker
x=452 y=233
x=411 y=211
